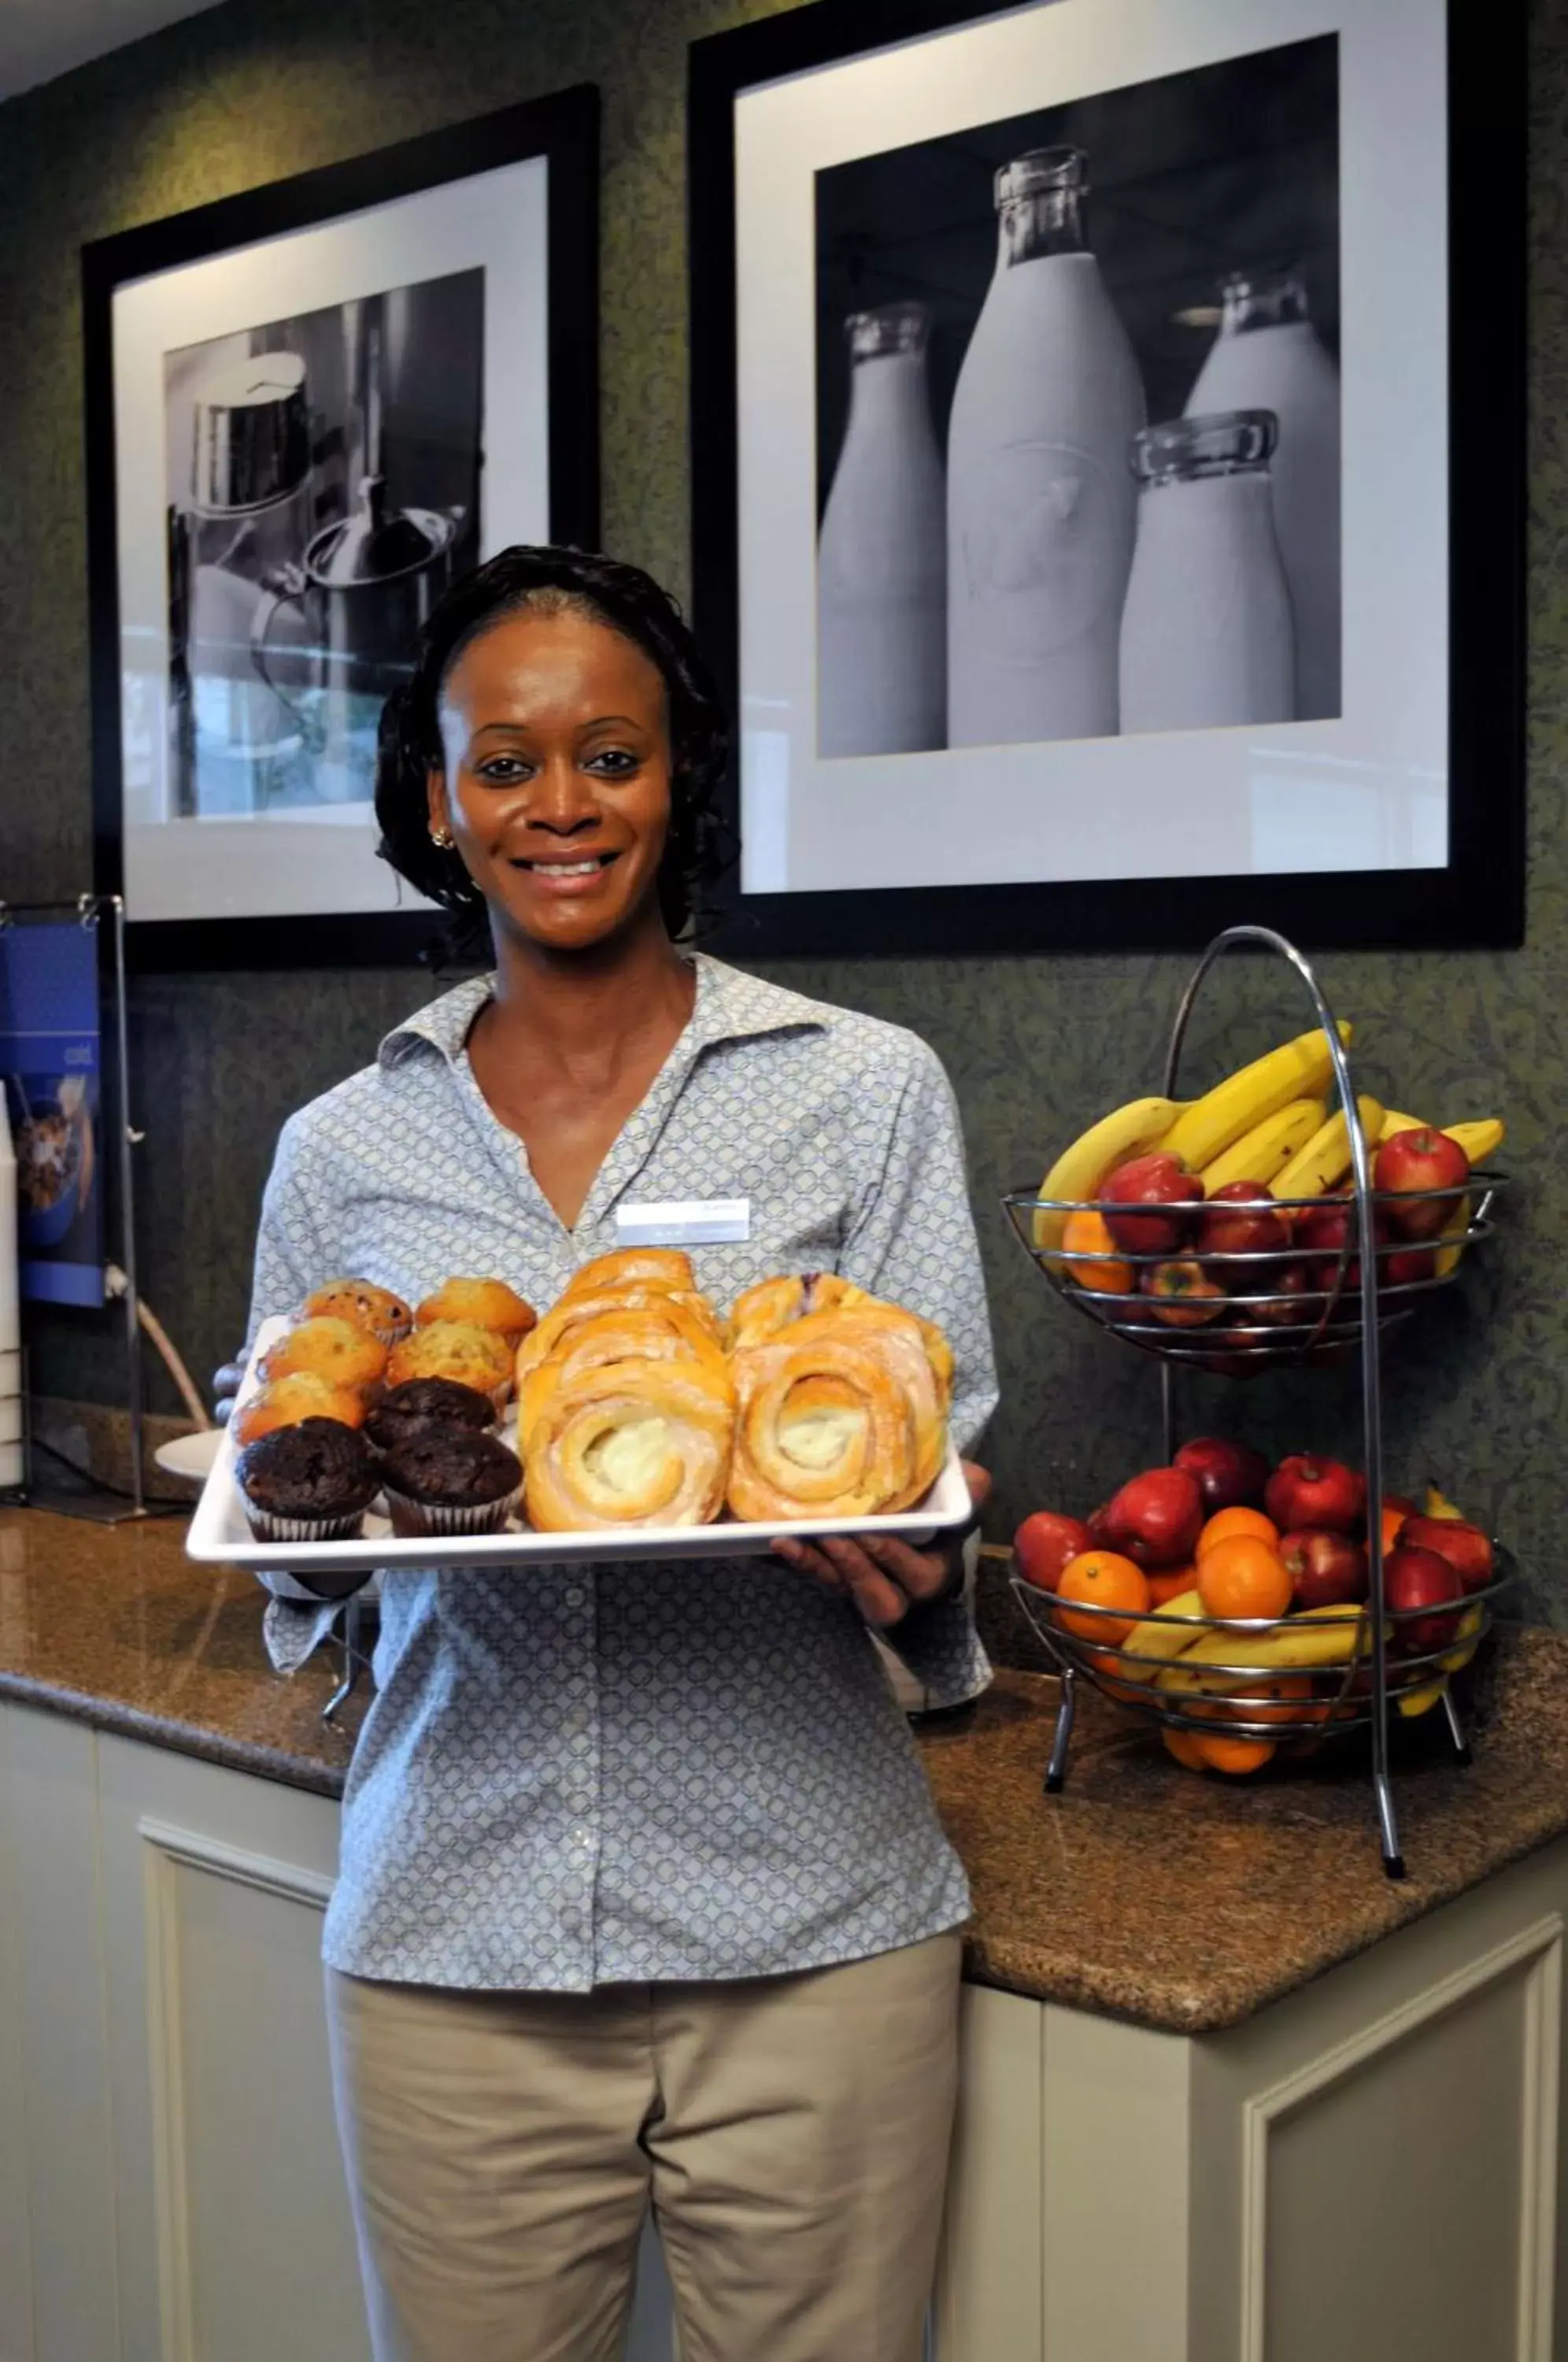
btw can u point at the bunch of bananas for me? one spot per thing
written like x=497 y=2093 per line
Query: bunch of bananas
x=1268 y=1123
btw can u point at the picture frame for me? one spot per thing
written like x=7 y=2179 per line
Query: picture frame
x=853 y=159
x=308 y=407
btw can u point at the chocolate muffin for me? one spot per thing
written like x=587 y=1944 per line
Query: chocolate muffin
x=451 y=1481
x=420 y=1405
x=311 y=1482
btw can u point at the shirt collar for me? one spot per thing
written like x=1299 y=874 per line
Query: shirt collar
x=730 y=1007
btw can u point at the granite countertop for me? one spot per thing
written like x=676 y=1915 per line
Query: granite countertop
x=1145 y=1891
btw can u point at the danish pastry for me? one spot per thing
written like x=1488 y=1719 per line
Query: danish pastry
x=772 y=1305
x=842 y=1412
x=627 y=1443
x=683 y=1310
x=635 y=1267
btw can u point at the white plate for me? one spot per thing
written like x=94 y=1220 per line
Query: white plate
x=220 y=1535
x=192 y=1457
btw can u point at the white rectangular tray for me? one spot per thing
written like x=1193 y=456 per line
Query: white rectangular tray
x=220 y=1534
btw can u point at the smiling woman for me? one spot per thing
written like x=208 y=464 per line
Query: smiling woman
x=678 y=1779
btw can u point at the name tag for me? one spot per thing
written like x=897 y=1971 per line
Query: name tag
x=684 y=1222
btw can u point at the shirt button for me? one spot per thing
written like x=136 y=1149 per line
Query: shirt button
x=581 y=1839
x=575 y=1721
x=575 y=1594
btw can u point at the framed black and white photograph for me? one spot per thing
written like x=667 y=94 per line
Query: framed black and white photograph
x=310 y=408
x=1106 y=514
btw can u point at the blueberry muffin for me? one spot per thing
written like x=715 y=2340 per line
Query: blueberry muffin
x=289 y=1401
x=480 y=1303
x=375 y=1309
x=421 y=1404
x=330 y=1349
x=308 y=1483
x=449 y=1482
x=480 y=1358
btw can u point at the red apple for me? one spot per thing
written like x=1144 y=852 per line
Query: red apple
x=1284 y=1307
x=1322 y=1231
x=1184 y=1297
x=1419 y=1578
x=1405 y=1265
x=1241 y=1219
x=1328 y=1570
x=1156 y=1517
x=1415 y=1161
x=1043 y=1544
x=1229 y=1476
x=1465 y=1546
x=1153 y=1181
x=1305 y=1491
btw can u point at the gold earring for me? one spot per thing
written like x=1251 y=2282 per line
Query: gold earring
x=442 y=839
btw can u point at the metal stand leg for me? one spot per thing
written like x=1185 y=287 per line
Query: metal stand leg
x=352 y=1661
x=1056 y=1770
x=1388 y=1825
x=1456 y=1729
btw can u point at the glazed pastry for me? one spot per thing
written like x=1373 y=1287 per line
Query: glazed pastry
x=451 y=1481
x=629 y=1443
x=683 y=1309
x=635 y=1267
x=480 y=1358
x=824 y=1429
x=330 y=1349
x=421 y=1404
x=657 y=1331
x=374 y=1309
x=291 y=1399
x=311 y=1482
x=479 y=1304
x=766 y=1309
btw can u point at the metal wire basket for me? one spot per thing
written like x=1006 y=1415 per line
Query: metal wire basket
x=1252 y=1324
x=1350 y=1300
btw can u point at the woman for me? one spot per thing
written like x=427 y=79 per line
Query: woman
x=642 y=1899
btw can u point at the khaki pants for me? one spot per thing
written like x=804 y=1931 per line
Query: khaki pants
x=791 y=2133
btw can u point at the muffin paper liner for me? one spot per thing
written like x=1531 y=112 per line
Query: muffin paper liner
x=268 y=1526
x=410 y=1518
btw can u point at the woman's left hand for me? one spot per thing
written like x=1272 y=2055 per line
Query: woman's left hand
x=884 y=1576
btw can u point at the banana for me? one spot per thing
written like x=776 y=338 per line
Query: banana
x=1469 y=1637
x=1080 y=1170
x=1326 y=1159
x=1299 y=1069
x=1413 y=1701
x=1394 y=1124
x=1436 y=1505
x=1161 y=1636
x=1480 y=1139
x=1259 y=1153
x=1295 y=1644
x=1448 y=1259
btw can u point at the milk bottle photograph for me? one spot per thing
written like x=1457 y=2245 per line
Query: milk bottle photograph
x=1268 y=355
x=1041 y=504
x=882 y=554
x=1207 y=637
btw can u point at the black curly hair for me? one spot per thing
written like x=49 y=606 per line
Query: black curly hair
x=555 y=582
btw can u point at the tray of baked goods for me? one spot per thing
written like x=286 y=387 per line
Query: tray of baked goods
x=634 y=1421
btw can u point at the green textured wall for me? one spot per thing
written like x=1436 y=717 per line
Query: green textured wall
x=1036 y=1046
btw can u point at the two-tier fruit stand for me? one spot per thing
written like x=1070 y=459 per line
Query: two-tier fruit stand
x=1343 y=1319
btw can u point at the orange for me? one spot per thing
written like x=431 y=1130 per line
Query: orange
x=1184 y=1746
x=1286 y=1697
x=1086 y=1234
x=1393 y=1518
x=1098 y=1578
x=1235 y=1755
x=1225 y=1523
x=1243 y=1578
x=1171 y=1584
x=1106 y=1666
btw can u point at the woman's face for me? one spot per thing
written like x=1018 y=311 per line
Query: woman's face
x=555 y=785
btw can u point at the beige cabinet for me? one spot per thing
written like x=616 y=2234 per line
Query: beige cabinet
x=1366 y=2171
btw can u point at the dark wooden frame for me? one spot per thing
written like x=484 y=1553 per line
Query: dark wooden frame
x=1479 y=898
x=564 y=129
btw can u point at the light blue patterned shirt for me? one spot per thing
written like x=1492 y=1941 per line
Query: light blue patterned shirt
x=585 y=1775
